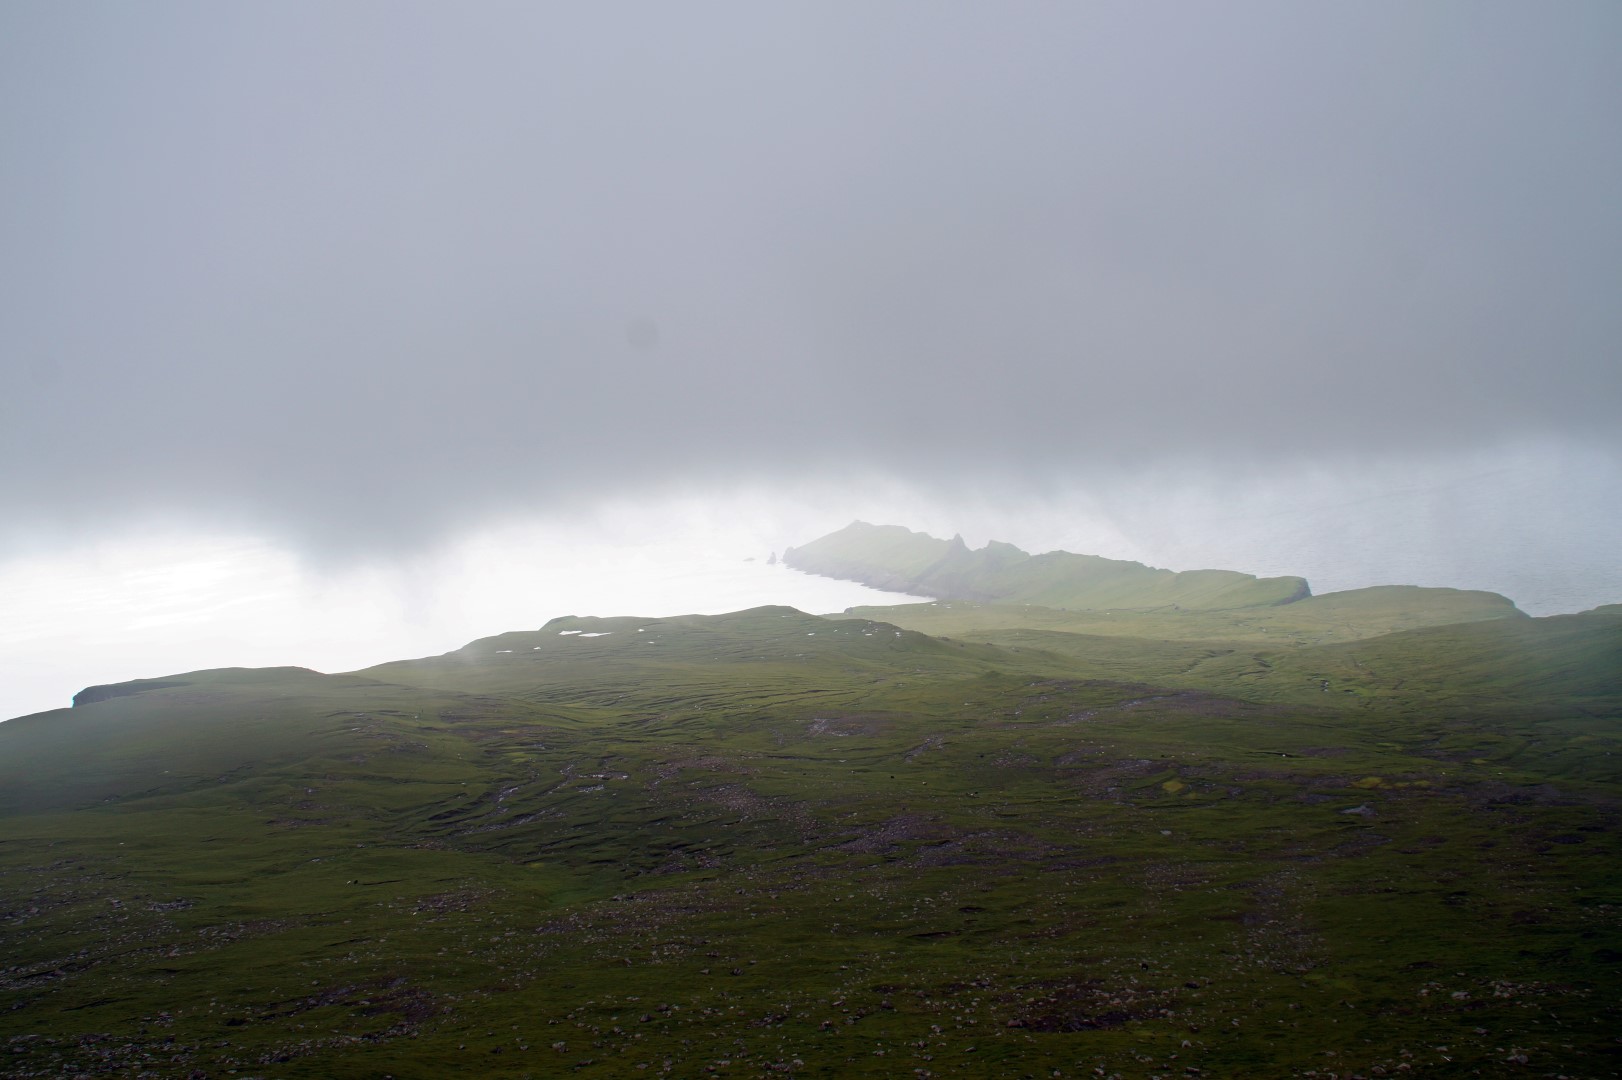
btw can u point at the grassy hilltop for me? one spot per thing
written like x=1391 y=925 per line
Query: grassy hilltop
x=1365 y=834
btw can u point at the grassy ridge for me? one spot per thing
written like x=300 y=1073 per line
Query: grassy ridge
x=768 y=843
x=1352 y=643
x=890 y=557
x=1317 y=620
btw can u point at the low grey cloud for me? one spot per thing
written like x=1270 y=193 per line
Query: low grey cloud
x=356 y=274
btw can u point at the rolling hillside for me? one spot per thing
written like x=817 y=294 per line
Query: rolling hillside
x=1341 y=835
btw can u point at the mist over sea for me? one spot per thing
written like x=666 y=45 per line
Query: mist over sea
x=1538 y=527
x=1544 y=535
x=1537 y=522
x=1575 y=573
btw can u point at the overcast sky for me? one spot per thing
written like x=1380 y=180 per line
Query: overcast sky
x=348 y=291
x=351 y=274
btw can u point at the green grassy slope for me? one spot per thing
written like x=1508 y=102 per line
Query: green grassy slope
x=647 y=663
x=1317 y=620
x=890 y=557
x=1573 y=661
x=1353 y=642
x=212 y=731
x=772 y=844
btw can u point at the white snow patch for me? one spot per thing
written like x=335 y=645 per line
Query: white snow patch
x=605 y=633
x=566 y=633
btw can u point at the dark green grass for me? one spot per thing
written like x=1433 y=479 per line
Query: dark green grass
x=758 y=846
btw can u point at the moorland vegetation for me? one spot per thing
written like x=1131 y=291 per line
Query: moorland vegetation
x=1071 y=818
